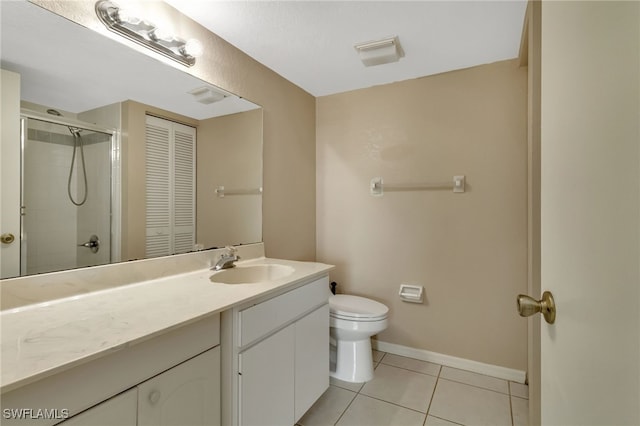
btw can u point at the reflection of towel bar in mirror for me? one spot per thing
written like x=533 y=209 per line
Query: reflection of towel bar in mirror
x=377 y=186
x=221 y=192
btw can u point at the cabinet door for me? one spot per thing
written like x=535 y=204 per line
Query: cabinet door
x=311 y=359
x=266 y=381
x=121 y=410
x=188 y=394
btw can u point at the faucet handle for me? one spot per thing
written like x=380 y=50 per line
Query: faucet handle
x=231 y=249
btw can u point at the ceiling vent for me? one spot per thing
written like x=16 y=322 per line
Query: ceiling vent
x=207 y=95
x=380 y=51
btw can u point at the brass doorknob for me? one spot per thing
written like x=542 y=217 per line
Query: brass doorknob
x=528 y=306
x=7 y=238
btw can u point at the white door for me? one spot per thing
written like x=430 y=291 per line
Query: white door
x=10 y=174
x=590 y=217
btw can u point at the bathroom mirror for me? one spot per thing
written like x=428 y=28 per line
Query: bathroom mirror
x=83 y=95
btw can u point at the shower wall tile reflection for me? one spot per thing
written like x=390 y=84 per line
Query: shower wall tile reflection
x=52 y=225
x=49 y=221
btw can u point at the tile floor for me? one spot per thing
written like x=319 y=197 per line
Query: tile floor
x=407 y=392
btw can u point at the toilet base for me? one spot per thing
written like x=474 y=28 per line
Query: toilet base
x=354 y=361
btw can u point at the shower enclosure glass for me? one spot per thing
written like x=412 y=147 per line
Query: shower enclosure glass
x=66 y=196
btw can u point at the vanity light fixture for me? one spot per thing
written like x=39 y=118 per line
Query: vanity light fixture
x=380 y=51
x=147 y=34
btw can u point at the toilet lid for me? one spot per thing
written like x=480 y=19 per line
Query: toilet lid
x=356 y=307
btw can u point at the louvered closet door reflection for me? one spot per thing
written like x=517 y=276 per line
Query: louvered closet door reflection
x=184 y=189
x=170 y=180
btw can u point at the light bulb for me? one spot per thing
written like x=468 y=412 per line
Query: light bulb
x=127 y=18
x=124 y=16
x=193 y=48
x=160 y=33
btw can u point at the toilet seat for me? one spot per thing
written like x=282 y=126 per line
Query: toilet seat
x=355 y=308
x=358 y=319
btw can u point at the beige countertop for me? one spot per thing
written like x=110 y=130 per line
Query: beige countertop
x=42 y=339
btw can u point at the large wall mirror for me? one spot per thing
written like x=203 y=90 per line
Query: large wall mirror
x=108 y=155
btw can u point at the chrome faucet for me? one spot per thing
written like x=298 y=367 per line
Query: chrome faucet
x=226 y=259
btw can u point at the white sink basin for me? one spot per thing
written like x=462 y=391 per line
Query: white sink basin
x=251 y=274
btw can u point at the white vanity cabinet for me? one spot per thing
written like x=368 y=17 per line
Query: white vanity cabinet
x=187 y=394
x=171 y=379
x=179 y=350
x=277 y=356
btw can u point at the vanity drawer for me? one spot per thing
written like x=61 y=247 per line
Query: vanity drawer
x=268 y=316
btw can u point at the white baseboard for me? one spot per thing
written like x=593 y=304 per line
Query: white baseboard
x=504 y=373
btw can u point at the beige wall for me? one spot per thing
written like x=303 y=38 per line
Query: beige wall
x=289 y=124
x=468 y=250
x=229 y=154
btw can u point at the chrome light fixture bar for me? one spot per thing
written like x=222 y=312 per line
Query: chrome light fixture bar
x=146 y=34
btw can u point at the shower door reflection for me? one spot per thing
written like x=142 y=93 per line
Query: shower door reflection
x=66 y=197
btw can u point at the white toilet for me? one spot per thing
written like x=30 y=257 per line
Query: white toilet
x=353 y=321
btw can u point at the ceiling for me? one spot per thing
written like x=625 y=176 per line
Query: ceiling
x=311 y=43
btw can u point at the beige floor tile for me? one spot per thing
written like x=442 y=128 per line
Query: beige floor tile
x=328 y=409
x=403 y=387
x=354 y=387
x=365 y=411
x=475 y=379
x=470 y=405
x=412 y=364
x=519 y=390
x=520 y=411
x=435 y=421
